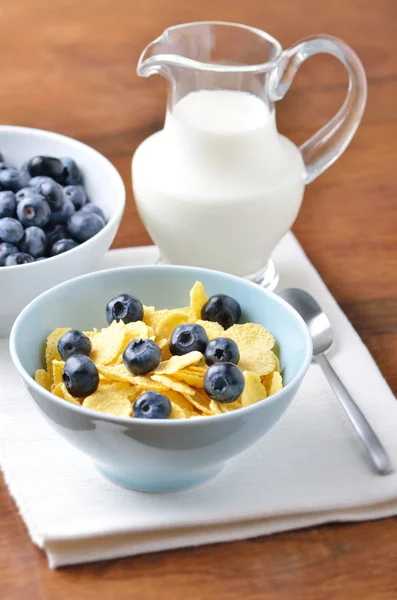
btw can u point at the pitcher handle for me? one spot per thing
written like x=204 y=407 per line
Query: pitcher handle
x=325 y=146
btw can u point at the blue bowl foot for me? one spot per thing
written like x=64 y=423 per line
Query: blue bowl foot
x=157 y=484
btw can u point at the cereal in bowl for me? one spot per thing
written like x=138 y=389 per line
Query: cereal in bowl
x=171 y=363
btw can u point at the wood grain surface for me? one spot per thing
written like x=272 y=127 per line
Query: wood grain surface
x=69 y=66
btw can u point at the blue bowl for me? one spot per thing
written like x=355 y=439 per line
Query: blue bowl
x=167 y=455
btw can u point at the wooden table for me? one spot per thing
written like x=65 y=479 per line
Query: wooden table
x=69 y=66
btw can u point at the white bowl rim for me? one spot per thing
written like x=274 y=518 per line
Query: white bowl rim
x=120 y=195
x=163 y=422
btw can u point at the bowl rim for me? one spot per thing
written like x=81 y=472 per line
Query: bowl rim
x=29 y=379
x=120 y=195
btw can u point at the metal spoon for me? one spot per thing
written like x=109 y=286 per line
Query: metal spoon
x=322 y=336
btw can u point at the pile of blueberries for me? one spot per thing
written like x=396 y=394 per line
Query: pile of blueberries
x=44 y=210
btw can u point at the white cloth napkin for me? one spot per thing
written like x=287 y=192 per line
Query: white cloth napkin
x=309 y=469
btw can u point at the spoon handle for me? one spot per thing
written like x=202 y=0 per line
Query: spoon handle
x=371 y=442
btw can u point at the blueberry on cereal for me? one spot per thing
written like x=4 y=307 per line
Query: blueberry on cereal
x=222 y=350
x=224 y=382
x=188 y=338
x=74 y=342
x=124 y=308
x=80 y=376
x=152 y=405
x=223 y=309
x=141 y=356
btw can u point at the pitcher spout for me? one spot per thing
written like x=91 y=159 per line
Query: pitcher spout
x=158 y=58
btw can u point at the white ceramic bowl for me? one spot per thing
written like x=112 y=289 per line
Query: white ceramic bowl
x=21 y=284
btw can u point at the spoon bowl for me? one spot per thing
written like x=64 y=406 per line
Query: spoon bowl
x=316 y=320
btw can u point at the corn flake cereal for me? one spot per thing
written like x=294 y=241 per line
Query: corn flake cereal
x=61 y=391
x=57 y=371
x=254 y=343
x=201 y=401
x=179 y=400
x=177 y=363
x=197 y=299
x=163 y=322
x=177 y=412
x=179 y=378
x=212 y=329
x=215 y=408
x=254 y=390
x=170 y=384
x=276 y=384
x=51 y=350
x=136 y=331
x=43 y=378
x=230 y=406
x=191 y=378
x=109 y=344
x=120 y=373
x=112 y=398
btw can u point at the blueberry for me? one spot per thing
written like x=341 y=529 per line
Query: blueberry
x=93 y=208
x=141 y=356
x=71 y=173
x=124 y=308
x=82 y=226
x=74 y=342
x=187 y=338
x=10 y=179
x=20 y=258
x=6 y=249
x=33 y=210
x=24 y=177
x=221 y=350
x=63 y=214
x=11 y=230
x=8 y=204
x=223 y=309
x=224 y=382
x=36 y=182
x=62 y=246
x=152 y=405
x=47 y=166
x=26 y=192
x=52 y=192
x=24 y=171
x=77 y=195
x=34 y=242
x=3 y=165
x=55 y=233
x=80 y=376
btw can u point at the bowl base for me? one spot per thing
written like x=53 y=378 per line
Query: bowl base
x=157 y=484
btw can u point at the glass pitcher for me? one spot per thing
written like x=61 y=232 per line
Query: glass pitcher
x=218 y=187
